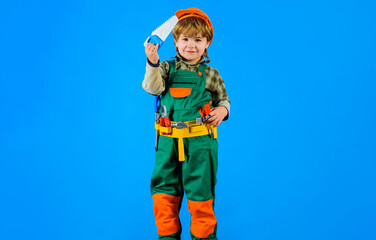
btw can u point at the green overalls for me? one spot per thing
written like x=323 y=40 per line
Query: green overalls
x=184 y=95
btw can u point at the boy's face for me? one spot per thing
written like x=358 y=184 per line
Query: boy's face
x=192 y=48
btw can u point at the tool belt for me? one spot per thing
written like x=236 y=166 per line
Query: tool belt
x=194 y=130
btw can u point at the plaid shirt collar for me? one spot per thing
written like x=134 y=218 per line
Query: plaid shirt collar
x=179 y=61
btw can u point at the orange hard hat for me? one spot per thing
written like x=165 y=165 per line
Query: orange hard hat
x=193 y=12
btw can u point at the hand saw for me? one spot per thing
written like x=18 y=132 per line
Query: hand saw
x=159 y=35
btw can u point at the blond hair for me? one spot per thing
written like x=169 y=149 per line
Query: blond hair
x=191 y=27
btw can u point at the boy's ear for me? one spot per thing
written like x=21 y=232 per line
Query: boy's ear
x=208 y=44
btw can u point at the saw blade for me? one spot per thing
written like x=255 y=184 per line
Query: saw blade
x=164 y=30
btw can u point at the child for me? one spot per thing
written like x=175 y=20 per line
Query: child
x=187 y=154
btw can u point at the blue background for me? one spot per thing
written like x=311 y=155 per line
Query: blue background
x=297 y=156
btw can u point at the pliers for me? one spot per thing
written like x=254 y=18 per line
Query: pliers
x=164 y=120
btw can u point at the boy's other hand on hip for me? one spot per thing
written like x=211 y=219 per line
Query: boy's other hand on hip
x=151 y=52
x=217 y=115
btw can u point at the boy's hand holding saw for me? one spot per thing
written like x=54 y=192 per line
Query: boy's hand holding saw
x=151 y=51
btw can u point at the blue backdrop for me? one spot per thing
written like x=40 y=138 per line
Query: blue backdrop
x=297 y=156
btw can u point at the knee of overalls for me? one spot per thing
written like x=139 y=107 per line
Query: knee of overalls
x=203 y=220
x=166 y=211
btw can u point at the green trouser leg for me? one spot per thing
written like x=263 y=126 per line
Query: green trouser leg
x=199 y=180
x=175 y=236
x=167 y=179
x=196 y=175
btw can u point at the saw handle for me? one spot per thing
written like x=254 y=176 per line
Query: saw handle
x=155 y=40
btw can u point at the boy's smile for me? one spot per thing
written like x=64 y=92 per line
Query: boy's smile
x=192 y=48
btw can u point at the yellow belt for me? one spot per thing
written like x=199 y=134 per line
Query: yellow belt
x=194 y=130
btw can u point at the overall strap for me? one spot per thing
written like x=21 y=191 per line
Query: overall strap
x=172 y=66
x=202 y=69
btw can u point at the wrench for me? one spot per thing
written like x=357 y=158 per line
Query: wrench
x=203 y=119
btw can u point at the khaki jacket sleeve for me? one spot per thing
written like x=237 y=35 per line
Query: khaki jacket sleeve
x=216 y=86
x=154 y=80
